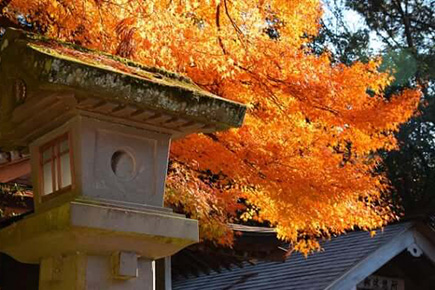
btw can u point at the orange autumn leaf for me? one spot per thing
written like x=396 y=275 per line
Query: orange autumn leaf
x=304 y=159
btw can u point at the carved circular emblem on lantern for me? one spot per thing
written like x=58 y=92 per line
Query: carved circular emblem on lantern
x=123 y=164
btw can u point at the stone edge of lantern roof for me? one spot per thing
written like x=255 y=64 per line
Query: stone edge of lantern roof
x=114 y=79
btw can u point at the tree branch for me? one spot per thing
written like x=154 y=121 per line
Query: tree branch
x=218 y=25
x=405 y=20
x=233 y=23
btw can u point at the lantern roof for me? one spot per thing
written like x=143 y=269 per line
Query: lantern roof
x=38 y=75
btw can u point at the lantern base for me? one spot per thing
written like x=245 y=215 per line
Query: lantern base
x=95 y=229
x=79 y=271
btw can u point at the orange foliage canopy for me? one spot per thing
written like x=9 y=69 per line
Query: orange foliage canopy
x=304 y=160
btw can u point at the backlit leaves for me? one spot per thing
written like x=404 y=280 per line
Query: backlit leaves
x=305 y=156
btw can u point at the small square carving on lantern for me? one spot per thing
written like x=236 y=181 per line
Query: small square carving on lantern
x=124 y=265
x=56 y=165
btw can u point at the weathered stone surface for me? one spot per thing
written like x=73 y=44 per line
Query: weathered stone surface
x=98 y=147
x=99 y=130
x=75 y=271
x=99 y=230
x=33 y=67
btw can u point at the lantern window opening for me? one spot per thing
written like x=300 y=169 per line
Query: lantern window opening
x=56 y=166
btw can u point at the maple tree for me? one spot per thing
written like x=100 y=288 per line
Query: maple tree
x=305 y=159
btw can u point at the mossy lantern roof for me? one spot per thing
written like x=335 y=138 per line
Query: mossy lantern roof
x=38 y=73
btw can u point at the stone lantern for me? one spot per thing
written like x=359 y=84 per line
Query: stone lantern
x=98 y=129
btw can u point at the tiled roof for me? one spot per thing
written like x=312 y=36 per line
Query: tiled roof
x=251 y=229
x=251 y=243
x=14 y=167
x=318 y=271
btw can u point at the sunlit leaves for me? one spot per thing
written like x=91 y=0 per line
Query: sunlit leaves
x=305 y=156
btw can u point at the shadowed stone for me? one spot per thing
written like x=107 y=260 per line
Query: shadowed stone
x=98 y=129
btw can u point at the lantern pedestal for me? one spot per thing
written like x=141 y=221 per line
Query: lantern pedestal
x=86 y=244
x=79 y=271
